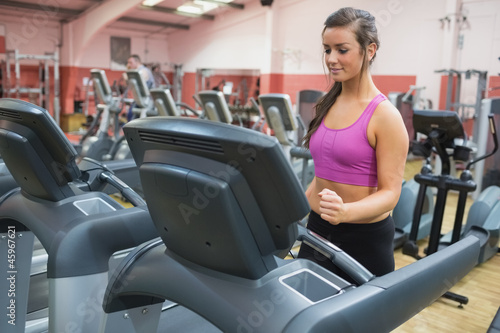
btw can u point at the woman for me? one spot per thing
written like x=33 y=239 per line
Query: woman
x=359 y=145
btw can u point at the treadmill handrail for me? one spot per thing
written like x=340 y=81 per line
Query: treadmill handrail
x=402 y=294
x=341 y=259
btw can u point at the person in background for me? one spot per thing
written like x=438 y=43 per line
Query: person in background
x=161 y=80
x=359 y=145
x=134 y=62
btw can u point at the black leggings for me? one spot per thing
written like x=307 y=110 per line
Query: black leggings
x=369 y=243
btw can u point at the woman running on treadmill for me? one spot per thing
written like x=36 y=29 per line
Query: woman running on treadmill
x=359 y=145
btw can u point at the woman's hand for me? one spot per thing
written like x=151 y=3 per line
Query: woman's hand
x=331 y=207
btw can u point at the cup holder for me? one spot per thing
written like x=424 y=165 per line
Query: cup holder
x=310 y=285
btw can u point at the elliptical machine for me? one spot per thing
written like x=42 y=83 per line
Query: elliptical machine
x=403 y=213
x=278 y=114
x=97 y=143
x=442 y=128
x=166 y=106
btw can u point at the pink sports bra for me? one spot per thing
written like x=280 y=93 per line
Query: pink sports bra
x=345 y=155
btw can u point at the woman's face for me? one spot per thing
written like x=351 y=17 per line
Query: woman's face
x=343 y=56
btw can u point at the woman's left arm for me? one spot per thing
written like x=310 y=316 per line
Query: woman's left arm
x=391 y=146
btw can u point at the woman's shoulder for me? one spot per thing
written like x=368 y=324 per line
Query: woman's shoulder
x=386 y=109
x=386 y=115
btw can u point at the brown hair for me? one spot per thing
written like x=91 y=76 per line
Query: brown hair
x=136 y=58
x=362 y=24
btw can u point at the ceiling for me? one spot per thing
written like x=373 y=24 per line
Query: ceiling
x=162 y=18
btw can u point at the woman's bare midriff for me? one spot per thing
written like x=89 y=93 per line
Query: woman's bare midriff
x=348 y=193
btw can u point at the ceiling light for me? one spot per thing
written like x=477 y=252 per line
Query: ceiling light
x=199 y=6
x=151 y=3
x=190 y=8
x=207 y=6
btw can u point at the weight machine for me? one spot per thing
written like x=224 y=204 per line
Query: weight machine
x=453 y=101
x=43 y=90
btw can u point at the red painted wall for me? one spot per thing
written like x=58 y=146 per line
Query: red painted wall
x=291 y=84
x=493 y=87
x=2 y=44
x=72 y=88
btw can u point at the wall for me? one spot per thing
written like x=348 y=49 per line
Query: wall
x=37 y=35
x=32 y=34
x=480 y=46
x=2 y=38
x=149 y=48
x=283 y=43
x=294 y=29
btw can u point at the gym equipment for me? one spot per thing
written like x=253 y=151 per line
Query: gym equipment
x=177 y=85
x=44 y=84
x=484 y=215
x=442 y=128
x=453 y=97
x=7 y=182
x=228 y=217
x=403 y=213
x=233 y=83
x=495 y=323
x=166 y=106
x=79 y=227
x=487 y=171
x=164 y=102
x=260 y=119
x=97 y=143
x=161 y=80
x=215 y=106
x=143 y=103
x=306 y=101
x=279 y=117
x=406 y=103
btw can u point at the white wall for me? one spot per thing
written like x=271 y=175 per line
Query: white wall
x=32 y=34
x=405 y=24
x=480 y=49
x=149 y=48
x=410 y=33
x=234 y=40
x=413 y=40
x=286 y=38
